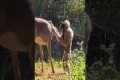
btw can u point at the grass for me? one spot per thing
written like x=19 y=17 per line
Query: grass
x=77 y=68
x=78 y=65
x=47 y=75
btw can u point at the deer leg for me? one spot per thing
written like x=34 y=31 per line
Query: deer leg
x=63 y=59
x=41 y=58
x=16 y=67
x=66 y=60
x=50 y=56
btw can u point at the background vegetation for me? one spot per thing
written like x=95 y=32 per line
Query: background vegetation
x=54 y=9
x=78 y=65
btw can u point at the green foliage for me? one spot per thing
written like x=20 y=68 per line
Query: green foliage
x=70 y=7
x=102 y=72
x=73 y=9
x=75 y=6
x=78 y=65
x=39 y=7
x=81 y=27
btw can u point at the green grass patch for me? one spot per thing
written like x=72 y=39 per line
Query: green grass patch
x=77 y=67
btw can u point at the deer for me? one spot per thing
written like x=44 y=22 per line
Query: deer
x=10 y=41
x=16 y=33
x=66 y=43
x=44 y=32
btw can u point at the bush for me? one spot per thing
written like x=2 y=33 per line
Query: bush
x=102 y=72
x=78 y=65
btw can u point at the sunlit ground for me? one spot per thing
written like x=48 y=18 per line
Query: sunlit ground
x=77 y=66
x=47 y=75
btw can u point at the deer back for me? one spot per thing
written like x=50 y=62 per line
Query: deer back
x=43 y=31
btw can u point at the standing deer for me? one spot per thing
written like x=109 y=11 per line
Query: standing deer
x=16 y=32
x=66 y=42
x=44 y=32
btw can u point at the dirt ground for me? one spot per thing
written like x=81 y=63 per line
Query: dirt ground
x=48 y=75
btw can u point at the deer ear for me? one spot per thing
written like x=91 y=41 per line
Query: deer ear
x=61 y=26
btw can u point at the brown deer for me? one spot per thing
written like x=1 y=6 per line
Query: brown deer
x=44 y=32
x=10 y=40
x=16 y=32
x=66 y=42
